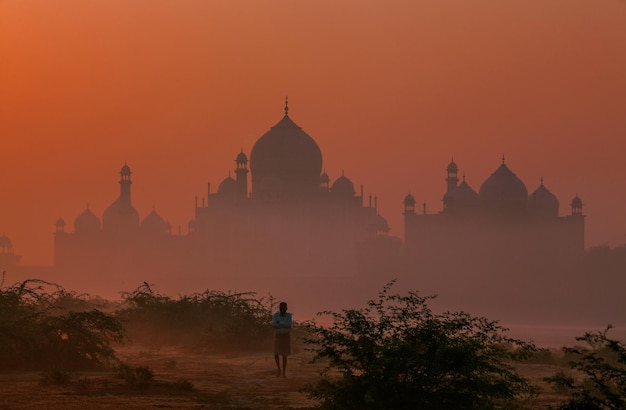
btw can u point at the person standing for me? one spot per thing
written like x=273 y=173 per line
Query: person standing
x=282 y=342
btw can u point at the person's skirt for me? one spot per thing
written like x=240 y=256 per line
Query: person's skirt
x=282 y=344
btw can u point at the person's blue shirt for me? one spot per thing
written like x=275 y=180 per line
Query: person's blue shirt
x=282 y=324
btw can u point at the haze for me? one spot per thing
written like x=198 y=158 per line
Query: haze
x=391 y=91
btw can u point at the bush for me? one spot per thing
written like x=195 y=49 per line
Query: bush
x=213 y=320
x=603 y=365
x=397 y=354
x=56 y=375
x=36 y=330
x=140 y=376
x=82 y=339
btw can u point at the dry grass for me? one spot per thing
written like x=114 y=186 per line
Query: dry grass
x=234 y=381
x=244 y=381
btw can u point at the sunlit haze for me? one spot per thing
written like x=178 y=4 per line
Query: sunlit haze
x=391 y=91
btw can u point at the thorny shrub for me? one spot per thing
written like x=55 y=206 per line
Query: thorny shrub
x=38 y=331
x=603 y=366
x=397 y=354
x=212 y=320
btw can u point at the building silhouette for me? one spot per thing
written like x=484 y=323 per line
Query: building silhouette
x=279 y=217
x=279 y=224
x=498 y=246
x=500 y=215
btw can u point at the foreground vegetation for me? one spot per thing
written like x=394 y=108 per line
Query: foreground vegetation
x=211 y=321
x=397 y=354
x=603 y=362
x=393 y=353
x=43 y=326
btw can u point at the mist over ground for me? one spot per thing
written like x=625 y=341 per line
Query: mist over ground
x=391 y=94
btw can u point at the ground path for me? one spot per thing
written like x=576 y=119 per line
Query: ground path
x=228 y=381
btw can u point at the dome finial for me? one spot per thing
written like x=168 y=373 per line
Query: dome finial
x=542 y=180
x=286 y=105
x=502 y=158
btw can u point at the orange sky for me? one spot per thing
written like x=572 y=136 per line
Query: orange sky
x=390 y=90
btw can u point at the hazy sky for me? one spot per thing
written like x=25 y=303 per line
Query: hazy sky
x=390 y=90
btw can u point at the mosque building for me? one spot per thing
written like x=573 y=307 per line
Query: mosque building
x=501 y=212
x=279 y=216
x=279 y=225
x=500 y=238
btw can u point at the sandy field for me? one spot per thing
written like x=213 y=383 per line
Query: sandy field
x=185 y=380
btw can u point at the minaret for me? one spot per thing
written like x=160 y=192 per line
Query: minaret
x=60 y=226
x=409 y=205
x=125 y=186
x=324 y=182
x=577 y=206
x=120 y=216
x=242 y=176
x=576 y=234
x=452 y=180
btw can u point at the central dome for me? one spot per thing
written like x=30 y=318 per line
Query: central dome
x=286 y=154
x=504 y=192
x=503 y=186
x=285 y=148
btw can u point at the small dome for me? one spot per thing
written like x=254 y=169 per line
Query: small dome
x=409 y=200
x=452 y=168
x=324 y=178
x=87 y=222
x=125 y=170
x=378 y=224
x=543 y=201
x=381 y=223
x=5 y=242
x=228 y=186
x=343 y=186
x=465 y=195
x=60 y=223
x=153 y=223
x=577 y=202
x=241 y=158
x=503 y=186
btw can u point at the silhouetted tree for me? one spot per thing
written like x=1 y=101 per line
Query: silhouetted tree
x=603 y=365
x=37 y=330
x=397 y=354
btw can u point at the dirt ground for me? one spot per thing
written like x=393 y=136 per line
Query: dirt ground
x=184 y=380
